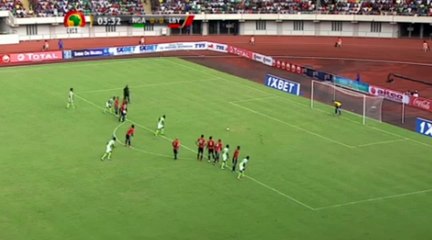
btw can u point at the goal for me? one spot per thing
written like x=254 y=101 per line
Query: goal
x=354 y=102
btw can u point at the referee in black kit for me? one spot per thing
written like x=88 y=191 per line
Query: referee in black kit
x=126 y=94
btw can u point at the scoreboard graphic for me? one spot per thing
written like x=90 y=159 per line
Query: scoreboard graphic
x=172 y=21
x=74 y=20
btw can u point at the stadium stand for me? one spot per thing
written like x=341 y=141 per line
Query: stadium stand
x=45 y=8
x=118 y=7
x=48 y=8
x=367 y=7
x=15 y=6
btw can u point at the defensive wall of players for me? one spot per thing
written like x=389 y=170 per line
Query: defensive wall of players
x=383 y=26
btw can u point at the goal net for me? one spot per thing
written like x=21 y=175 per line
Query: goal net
x=354 y=102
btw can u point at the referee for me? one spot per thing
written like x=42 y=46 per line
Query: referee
x=126 y=94
x=338 y=106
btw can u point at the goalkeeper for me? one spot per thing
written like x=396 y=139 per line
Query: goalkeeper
x=338 y=106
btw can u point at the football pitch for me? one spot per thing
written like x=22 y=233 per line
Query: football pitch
x=312 y=175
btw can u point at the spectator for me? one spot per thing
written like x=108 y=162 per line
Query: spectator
x=358 y=79
x=60 y=44
x=338 y=42
x=426 y=47
x=252 y=40
x=45 y=46
x=47 y=8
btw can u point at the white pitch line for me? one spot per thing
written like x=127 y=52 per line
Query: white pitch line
x=373 y=199
x=289 y=197
x=382 y=142
x=406 y=138
x=281 y=193
x=371 y=127
x=293 y=126
x=381 y=130
x=190 y=149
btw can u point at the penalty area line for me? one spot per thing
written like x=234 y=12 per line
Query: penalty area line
x=382 y=142
x=281 y=193
x=293 y=126
x=190 y=149
x=374 y=199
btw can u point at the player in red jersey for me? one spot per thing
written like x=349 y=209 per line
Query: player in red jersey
x=218 y=150
x=123 y=111
x=235 y=158
x=210 y=149
x=201 y=142
x=129 y=134
x=176 y=146
x=116 y=105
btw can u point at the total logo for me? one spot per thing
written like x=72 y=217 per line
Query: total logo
x=36 y=57
x=6 y=59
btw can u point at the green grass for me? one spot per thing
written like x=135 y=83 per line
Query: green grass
x=311 y=176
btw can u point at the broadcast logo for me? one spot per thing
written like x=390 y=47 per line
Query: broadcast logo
x=74 y=20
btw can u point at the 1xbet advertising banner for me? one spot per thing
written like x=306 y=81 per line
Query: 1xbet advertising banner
x=128 y=50
x=391 y=95
x=32 y=57
x=351 y=84
x=282 y=84
x=99 y=52
x=125 y=50
x=240 y=52
x=147 y=48
x=424 y=127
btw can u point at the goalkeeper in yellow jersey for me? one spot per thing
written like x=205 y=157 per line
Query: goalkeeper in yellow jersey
x=338 y=106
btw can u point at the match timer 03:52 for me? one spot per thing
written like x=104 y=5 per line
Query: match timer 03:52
x=171 y=21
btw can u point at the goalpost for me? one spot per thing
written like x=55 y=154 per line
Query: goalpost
x=354 y=102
